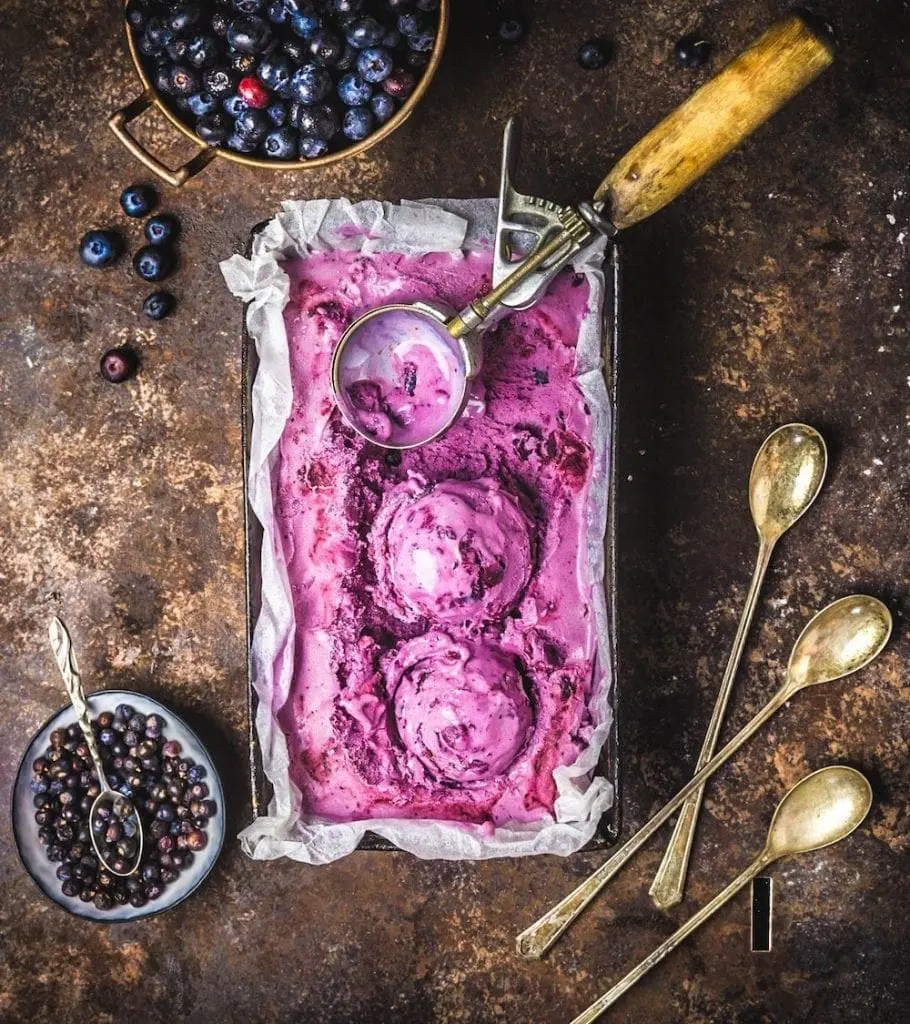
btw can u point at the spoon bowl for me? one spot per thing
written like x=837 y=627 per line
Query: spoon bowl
x=821 y=809
x=786 y=477
x=841 y=639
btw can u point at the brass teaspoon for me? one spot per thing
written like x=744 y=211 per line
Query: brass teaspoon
x=108 y=804
x=839 y=640
x=786 y=477
x=819 y=810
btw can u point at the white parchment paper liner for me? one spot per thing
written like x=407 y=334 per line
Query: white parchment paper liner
x=413 y=228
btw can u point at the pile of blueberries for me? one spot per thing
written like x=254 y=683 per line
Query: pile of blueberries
x=168 y=792
x=284 y=79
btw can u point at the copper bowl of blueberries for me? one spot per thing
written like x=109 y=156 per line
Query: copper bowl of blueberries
x=279 y=84
x=153 y=759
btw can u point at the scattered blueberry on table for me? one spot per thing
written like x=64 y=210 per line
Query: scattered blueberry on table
x=166 y=788
x=691 y=51
x=119 y=364
x=162 y=229
x=511 y=29
x=158 y=305
x=100 y=248
x=593 y=54
x=138 y=200
x=154 y=262
x=215 y=64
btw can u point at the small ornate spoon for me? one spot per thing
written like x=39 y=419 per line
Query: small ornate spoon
x=841 y=639
x=786 y=477
x=821 y=809
x=109 y=806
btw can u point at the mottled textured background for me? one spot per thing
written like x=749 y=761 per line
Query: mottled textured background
x=775 y=290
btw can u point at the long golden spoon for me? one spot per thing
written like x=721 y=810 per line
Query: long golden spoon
x=821 y=809
x=786 y=477
x=842 y=638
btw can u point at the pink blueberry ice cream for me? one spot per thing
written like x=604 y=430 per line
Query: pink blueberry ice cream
x=456 y=551
x=401 y=377
x=445 y=645
x=460 y=707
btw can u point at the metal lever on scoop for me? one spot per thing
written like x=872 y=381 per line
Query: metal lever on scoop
x=670 y=158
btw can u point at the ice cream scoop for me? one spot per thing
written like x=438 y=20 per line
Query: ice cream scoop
x=460 y=707
x=671 y=157
x=457 y=551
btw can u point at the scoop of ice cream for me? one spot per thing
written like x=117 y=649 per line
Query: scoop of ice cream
x=458 y=551
x=401 y=377
x=460 y=707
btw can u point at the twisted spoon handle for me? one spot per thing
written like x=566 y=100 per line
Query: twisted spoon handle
x=670 y=880
x=655 y=956
x=62 y=646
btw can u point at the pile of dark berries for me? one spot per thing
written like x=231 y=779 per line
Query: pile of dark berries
x=167 y=790
x=284 y=79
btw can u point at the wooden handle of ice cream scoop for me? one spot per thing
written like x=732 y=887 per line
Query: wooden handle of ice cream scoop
x=714 y=120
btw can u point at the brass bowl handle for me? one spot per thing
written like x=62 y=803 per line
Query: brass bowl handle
x=175 y=177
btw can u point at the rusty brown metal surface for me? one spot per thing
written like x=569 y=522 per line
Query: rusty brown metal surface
x=776 y=290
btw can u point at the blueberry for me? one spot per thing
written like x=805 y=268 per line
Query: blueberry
x=196 y=774
x=118 y=365
x=213 y=129
x=418 y=60
x=277 y=12
x=311 y=84
x=219 y=22
x=593 y=54
x=252 y=125
x=249 y=6
x=321 y=121
x=357 y=123
x=100 y=248
x=219 y=81
x=422 y=41
x=234 y=106
x=182 y=18
x=400 y=83
x=184 y=80
x=326 y=47
x=353 y=90
x=365 y=32
x=157 y=33
x=249 y=35
x=410 y=24
x=277 y=113
x=345 y=6
x=176 y=48
x=202 y=103
x=136 y=14
x=312 y=147
x=509 y=30
x=383 y=106
x=241 y=145
x=375 y=64
x=202 y=51
x=161 y=77
x=276 y=71
x=159 y=305
x=280 y=144
x=305 y=25
x=692 y=51
x=348 y=59
x=154 y=262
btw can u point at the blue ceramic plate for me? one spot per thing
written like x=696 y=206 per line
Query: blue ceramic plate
x=25 y=831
